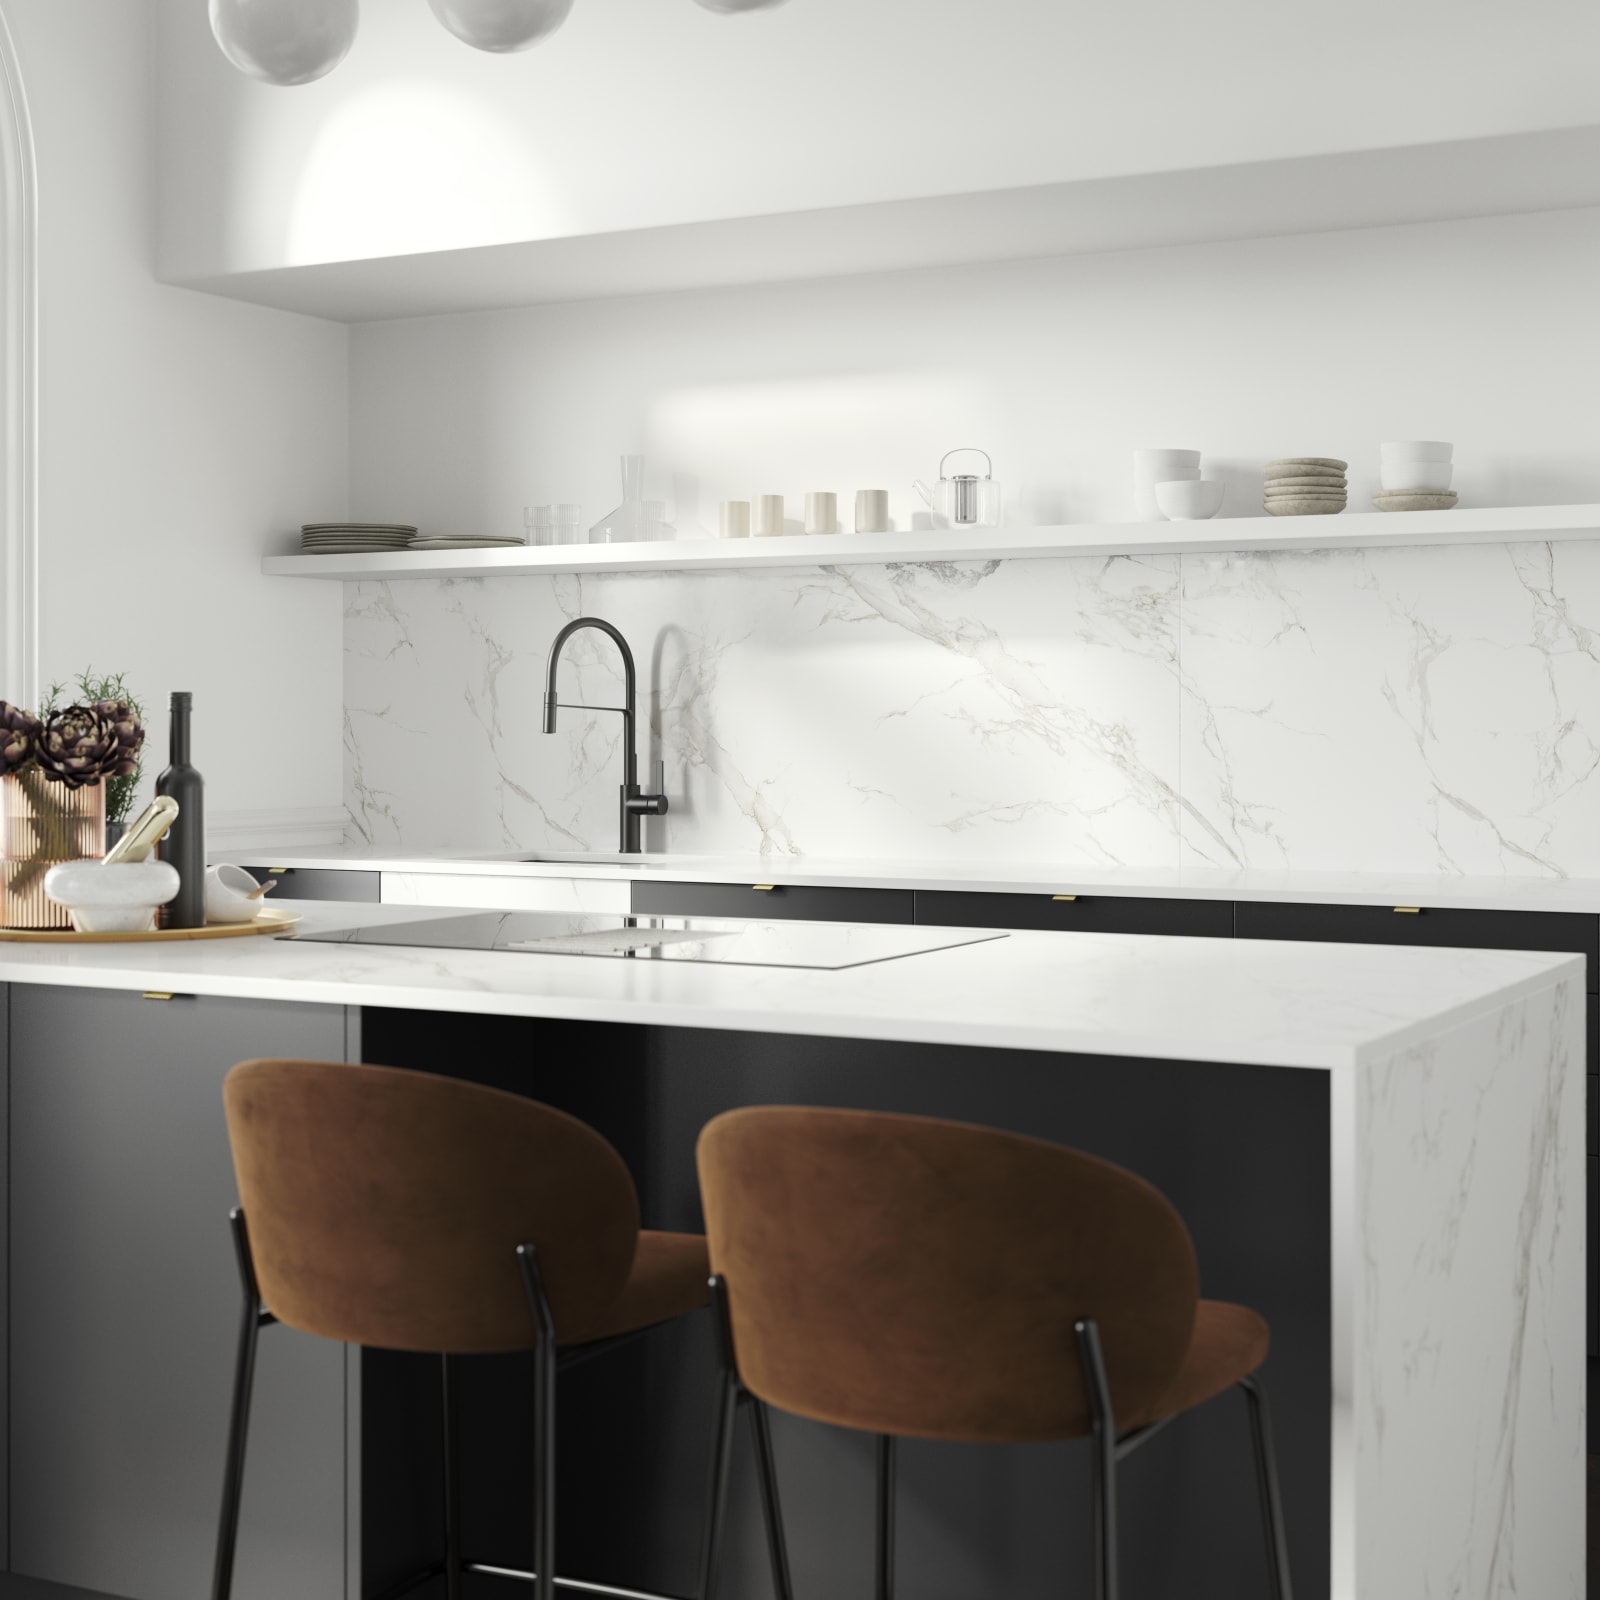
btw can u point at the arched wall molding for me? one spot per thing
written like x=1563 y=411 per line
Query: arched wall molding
x=19 y=385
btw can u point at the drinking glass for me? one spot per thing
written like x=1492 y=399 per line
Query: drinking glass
x=567 y=524
x=537 y=523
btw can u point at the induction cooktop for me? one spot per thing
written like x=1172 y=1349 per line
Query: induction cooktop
x=725 y=941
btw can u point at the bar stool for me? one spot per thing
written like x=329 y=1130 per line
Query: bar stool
x=917 y=1278
x=411 y=1212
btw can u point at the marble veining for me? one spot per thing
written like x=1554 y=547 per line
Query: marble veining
x=1468 y=1150
x=1402 y=711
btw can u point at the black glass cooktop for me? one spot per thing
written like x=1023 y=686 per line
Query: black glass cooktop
x=726 y=941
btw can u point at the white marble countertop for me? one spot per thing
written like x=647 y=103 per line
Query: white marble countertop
x=1283 y=1004
x=999 y=877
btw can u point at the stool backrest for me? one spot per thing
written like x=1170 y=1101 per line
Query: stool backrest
x=385 y=1207
x=911 y=1276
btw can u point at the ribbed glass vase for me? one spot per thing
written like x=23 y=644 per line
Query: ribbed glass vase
x=42 y=823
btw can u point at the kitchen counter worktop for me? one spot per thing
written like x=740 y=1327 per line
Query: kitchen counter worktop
x=1422 y=1261
x=1285 y=1004
x=998 y=877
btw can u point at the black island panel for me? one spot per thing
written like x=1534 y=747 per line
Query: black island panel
x=1241 y=1151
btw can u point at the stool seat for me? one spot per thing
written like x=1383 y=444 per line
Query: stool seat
x=671 y=1276
x=1228 y=1344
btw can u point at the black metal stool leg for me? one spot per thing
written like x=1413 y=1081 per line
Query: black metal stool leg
x=1267 y=1482
x=767 y=1466
x=244 y=1371
x=884 y=1583
x=717 y=1487
x=544 y=1427
x=452 y=1481
x=1105 y=1459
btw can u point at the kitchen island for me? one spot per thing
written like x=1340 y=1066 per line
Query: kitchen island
x=1382 y=1149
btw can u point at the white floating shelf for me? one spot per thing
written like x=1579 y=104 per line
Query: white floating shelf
x=1349 y=530
x=1544 y=171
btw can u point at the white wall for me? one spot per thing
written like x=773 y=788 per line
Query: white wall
x=1425 y=710
x=646 y=112
x=176 y=431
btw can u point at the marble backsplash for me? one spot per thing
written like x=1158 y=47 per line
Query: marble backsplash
x=1428 y=710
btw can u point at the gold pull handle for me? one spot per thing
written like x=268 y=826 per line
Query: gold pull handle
x=276 y=872
x=764 y=888
x=1063 y=897
x=156 y=994
x=1408 y=911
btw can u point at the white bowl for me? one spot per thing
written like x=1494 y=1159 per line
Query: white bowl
x=117 y=899
x=1416 y=450
x=1186 y=500
x=1431 y=477
x=1146 y=477
x=1157 y=462
x=231 y=895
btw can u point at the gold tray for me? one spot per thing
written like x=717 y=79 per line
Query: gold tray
x=270 y=919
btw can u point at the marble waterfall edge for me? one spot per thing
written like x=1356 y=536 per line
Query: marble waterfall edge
x=1459 y=1339
x=1425 y=710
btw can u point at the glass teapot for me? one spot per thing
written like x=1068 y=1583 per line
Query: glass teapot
x=966 y=500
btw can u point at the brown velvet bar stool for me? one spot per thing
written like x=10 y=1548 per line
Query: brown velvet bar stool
x=917 y=1278
x=411 y=1212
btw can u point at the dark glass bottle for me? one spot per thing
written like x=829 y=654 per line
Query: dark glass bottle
x=185 y=845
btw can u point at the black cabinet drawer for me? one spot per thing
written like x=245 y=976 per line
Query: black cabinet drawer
x=801 y=903
x=321 y=883
x=1472 y=930
x=1085 y=913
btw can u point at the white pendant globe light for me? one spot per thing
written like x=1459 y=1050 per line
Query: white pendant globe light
x=728 y=7
x=285 y=41
x=501 y=25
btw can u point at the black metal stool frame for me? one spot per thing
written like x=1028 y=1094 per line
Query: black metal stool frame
x=1109 y=1449
x=548 y=1360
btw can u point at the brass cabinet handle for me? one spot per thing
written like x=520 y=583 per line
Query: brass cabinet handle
x=1408 y=911
x=155 y=994
x=764 y=888
x=276 y=872
x=1063 y=897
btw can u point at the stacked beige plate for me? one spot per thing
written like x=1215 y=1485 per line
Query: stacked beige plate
x=354 y=538
x=1306 y=486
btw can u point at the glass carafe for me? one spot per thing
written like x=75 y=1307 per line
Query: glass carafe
x=636 y=520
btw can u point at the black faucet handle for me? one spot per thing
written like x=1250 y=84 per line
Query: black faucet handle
x=654 y=804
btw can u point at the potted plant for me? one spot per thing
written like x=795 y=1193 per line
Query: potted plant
x=59 y=770
x=122 y=787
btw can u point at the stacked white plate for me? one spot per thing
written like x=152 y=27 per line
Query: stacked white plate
x=354 y=538
x=464 y=541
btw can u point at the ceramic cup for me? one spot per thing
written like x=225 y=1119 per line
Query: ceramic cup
x=769 y=516
x=231 y=895
x=117 y=899
x=1432 y=477
x=822 y=512
x=735 y=519
x=1416 y=450
x=872 y=510
x=1189 y=500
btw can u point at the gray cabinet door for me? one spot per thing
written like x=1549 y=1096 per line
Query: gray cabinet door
x=124 y=1306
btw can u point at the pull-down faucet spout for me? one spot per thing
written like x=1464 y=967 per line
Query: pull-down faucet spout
x=635 y=803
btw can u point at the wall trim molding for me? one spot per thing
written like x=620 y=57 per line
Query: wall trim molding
x=19 y=359
x=284 y=826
